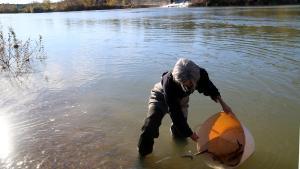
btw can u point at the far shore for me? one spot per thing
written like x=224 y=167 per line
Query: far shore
x=41 y=8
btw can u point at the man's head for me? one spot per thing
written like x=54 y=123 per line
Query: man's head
x=187 y=74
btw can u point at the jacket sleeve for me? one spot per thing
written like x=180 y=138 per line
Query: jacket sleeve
x=206 y=87
x=173 y=103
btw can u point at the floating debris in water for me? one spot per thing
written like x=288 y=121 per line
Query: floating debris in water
x=166 y=158
x=191 y=156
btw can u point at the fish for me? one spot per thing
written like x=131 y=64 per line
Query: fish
x=230 y=159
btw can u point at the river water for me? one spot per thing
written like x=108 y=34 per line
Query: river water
x=84 y=105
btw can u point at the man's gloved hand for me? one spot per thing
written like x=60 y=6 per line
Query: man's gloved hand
x=194 y=137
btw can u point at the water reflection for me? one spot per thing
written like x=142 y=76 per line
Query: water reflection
x=271 y=12
x=5 y=138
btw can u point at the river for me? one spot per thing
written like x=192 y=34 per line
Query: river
x=84 y=106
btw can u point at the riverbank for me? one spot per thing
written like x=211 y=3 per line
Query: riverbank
x=243 y=2
x=80 y=5
x=40 y=8
x=83 y=107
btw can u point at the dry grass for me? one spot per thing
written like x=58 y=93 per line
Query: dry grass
x=17 y=56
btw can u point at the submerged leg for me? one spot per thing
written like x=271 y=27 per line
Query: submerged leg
x=150 y=129
x=176 y=134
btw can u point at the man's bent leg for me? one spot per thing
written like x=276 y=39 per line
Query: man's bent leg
x=150 y=129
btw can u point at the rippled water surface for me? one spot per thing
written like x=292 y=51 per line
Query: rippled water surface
x=83 y=107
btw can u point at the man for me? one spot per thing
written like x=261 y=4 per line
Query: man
x=171 y=95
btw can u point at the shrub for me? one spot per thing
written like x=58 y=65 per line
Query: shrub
x=16 y=56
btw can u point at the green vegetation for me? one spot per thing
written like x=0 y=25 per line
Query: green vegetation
x=17 y=56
